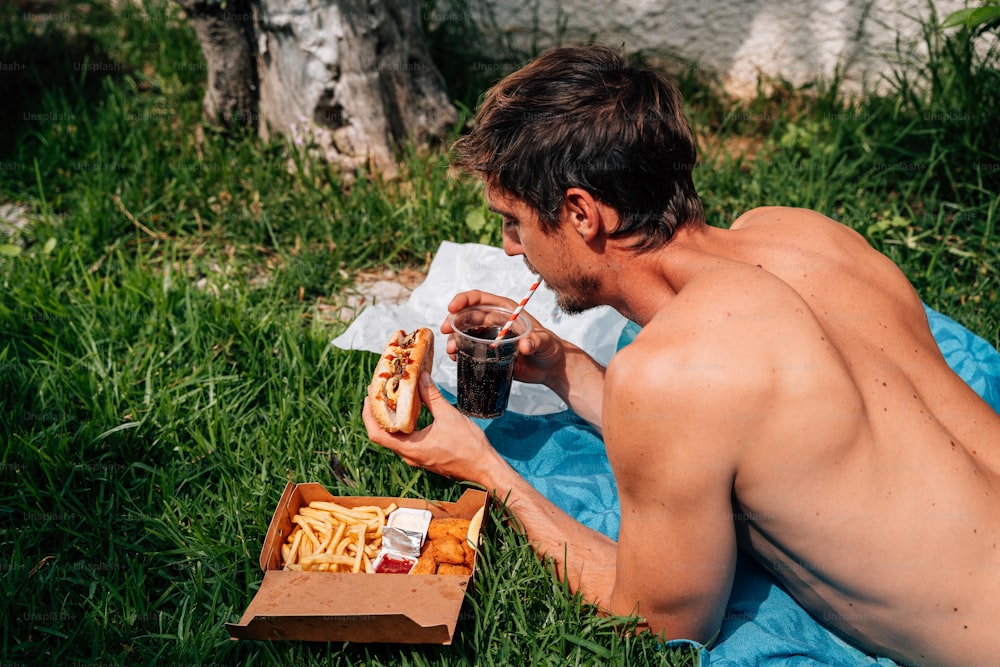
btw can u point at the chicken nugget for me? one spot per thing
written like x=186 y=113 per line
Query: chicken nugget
x=470 y=553
x=425 y=566
x=426 y=563
x=438 y=528
x=448 y=549
x=448 y=568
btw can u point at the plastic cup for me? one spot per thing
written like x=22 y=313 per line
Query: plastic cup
x=486 y=367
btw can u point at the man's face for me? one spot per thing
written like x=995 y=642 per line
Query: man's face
x=551 y=256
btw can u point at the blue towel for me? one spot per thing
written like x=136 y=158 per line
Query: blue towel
x=975 y=360
x=564 y=458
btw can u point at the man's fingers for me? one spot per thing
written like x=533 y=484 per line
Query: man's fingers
x=430 y=394
x=369 y=418
x=380 y=436
x=471 y=298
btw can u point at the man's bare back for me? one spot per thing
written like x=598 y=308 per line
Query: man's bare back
x=871 y=489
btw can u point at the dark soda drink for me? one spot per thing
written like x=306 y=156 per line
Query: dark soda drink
x=484 y=383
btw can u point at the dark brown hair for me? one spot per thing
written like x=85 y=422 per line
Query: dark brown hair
x=585 y=117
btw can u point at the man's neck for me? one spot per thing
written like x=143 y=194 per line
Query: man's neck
x=647 y=282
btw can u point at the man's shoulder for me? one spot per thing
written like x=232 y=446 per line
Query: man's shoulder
x=778 y=215
x=733 y=301
x=668 y=402
x=702 y=352
x=705 y=382
x=724 y=338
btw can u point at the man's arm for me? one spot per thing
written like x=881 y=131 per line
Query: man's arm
x=581 y=385
x=583 y=557
x=669 y=444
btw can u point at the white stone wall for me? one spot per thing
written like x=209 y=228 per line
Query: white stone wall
x=799 y=41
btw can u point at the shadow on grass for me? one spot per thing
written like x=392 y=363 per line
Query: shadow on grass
x=49 y=54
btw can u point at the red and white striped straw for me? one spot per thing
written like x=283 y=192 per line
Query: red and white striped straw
x=517 y=311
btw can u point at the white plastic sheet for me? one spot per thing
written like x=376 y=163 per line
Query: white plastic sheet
x=460 y=267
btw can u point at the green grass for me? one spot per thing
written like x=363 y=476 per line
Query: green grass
x=165 y=363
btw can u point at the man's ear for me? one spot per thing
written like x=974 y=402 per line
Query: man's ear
x=583 y=212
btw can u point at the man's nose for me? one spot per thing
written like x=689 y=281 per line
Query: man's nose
x=512 y=245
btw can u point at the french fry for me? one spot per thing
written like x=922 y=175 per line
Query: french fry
x=328 y=537
x=307 y=531
x=294 y=548
x=342 y=545
x=339 y=535
x=360 y=549
x=327 y=559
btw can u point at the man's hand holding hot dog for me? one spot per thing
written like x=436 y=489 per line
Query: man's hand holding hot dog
x=452 y=445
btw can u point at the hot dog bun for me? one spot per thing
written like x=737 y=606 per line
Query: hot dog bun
x=394 y=399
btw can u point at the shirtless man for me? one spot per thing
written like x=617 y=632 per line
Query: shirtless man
x=785 y=395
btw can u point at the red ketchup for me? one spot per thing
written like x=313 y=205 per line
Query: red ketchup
x=392 y=565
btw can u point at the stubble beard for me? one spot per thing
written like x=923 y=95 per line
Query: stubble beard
x=584 y=290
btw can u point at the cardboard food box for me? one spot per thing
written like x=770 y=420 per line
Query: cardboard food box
x=329 y=606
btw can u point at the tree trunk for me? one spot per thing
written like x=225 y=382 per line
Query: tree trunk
x=354 y=76
x=351 y=78
x=227 y=41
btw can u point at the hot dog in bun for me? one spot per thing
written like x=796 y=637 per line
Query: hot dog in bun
x=393 y=395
